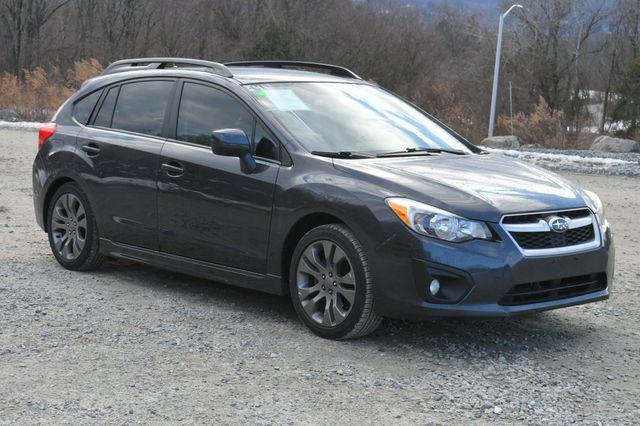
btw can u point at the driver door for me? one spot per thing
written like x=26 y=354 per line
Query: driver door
x=208 y=209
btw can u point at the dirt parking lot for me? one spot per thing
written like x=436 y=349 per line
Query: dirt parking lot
x=132 y=344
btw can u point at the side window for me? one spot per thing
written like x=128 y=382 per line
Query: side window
x=103 y=118
x=204 y=109
x=84 y=107
x=141 y=107
x=263 y=145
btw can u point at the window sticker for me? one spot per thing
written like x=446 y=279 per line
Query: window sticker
x=284 y=99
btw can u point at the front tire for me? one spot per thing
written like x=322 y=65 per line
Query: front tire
x=73 y=234
x=331 y=285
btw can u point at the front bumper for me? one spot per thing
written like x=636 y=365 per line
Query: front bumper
x=404 y=266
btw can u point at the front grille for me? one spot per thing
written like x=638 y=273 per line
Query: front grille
x=546 y=291
x=533 y=234
x=534 y=217
x=544 y=240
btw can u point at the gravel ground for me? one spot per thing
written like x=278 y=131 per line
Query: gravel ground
x=132 y=344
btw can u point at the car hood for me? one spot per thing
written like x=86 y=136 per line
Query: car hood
x=478 y=186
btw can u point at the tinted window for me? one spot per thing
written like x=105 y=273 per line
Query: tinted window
x=204 y=109
x=263 y=145
x=84 y=107
x=103 y=118
x=141 y=107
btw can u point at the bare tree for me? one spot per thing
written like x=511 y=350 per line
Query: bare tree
x=439 y=57
x=22 y=21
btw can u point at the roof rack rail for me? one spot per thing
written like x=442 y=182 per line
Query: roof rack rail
x=333 y=69
x=162 y=63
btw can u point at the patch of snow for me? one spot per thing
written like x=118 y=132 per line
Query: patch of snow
x=587 y=163
x=20 y=125
x=546 y=156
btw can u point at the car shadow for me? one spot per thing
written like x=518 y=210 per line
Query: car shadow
x=199 y=290
x=547 y=333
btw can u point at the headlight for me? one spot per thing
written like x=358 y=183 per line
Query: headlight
x=595 y=204
x=433 y=222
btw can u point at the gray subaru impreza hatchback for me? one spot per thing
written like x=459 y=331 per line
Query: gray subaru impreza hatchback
x=302 y=179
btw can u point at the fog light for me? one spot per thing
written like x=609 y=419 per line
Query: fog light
x=434 y=287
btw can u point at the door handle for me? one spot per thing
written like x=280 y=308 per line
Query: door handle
x=173 y=169
x=91 y=149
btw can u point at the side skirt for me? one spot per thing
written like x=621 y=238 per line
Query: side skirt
x=266 y=283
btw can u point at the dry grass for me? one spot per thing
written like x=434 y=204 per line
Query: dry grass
x=581 y=140
x=37 y=95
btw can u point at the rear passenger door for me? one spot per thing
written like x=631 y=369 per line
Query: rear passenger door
x=122 y=145
x=208 y=209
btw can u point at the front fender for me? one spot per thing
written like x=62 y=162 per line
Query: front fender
x=325 y=190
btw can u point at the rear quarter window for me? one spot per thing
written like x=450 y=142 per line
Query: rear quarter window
x=83 y=108
x=103 y=117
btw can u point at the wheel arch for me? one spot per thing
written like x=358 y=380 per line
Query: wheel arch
x=299 y=228
x=51 y=189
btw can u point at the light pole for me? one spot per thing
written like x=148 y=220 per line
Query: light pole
x=496 y=71
x=511 y=105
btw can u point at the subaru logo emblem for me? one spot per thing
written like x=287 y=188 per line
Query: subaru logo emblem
x=558 y=224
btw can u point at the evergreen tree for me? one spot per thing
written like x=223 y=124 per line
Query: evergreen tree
x=627 y=109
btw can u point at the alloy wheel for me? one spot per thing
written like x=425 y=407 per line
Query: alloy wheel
x=326 y=283
x=69 y=226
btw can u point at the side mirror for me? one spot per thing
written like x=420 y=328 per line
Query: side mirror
x=234 y=143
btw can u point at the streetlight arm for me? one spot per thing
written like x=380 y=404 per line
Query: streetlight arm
x=511 y=8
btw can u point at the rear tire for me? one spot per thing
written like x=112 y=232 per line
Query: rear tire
x=331 y=285
x=73 y=234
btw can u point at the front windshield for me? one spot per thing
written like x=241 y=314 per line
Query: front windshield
x=338 y=117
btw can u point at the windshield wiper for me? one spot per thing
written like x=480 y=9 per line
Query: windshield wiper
x=343 y=154
x=412 y=151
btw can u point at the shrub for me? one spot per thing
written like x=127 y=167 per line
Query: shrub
x=444 y=102
x=542 y=126
x=82 y=71
x=37 y=95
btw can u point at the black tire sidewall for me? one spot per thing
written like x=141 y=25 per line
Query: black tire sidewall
x=91 y=238
x=331 y=234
